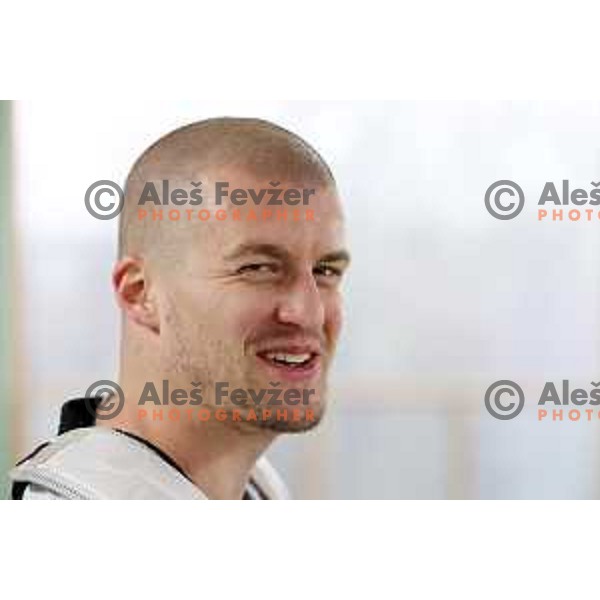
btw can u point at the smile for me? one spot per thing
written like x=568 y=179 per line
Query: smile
x=291 y=363
x=296 y=360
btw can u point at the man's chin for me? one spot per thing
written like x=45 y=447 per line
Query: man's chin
x=290 y=426
x=292 y=420
x=290 y=407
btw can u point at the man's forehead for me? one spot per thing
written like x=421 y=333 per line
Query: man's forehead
x=293 y=238
x=303 y=231
x=231 y=186
x=226 y=180
x=252 y=211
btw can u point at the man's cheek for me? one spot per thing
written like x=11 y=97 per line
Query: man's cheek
x=251 y=316
x=334 y=319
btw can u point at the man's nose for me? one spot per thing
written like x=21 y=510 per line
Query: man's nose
x=301 y=304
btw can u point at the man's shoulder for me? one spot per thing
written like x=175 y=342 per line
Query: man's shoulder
x=98 y=463
x=101 y=463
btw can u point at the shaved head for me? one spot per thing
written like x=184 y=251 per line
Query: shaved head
x=250 y=300
x=199 y=152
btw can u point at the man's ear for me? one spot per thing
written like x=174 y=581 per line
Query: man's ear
x=132 y=290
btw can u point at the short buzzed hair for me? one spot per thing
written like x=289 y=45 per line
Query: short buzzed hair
x=255 y=146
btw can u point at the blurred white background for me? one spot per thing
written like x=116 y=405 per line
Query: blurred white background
x=442 y=299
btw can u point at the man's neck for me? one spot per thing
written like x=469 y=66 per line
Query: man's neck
x=216 y=456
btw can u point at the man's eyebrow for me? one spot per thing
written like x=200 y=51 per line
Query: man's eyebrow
x=337 y=256
x=258 y=248
x=280 y=253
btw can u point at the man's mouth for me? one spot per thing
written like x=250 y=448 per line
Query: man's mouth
x=292 y=363
x=289 y=360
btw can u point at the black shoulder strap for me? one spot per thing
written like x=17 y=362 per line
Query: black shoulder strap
x=19 y=487
x=78 y=412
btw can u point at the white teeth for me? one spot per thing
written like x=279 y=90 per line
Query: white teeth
x=294 y=359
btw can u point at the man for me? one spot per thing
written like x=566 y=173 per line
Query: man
x=231 y=254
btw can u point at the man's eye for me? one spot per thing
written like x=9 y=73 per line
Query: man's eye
x=327 y=271
x=260 y=268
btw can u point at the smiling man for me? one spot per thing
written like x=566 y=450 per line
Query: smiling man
x=236 y=305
